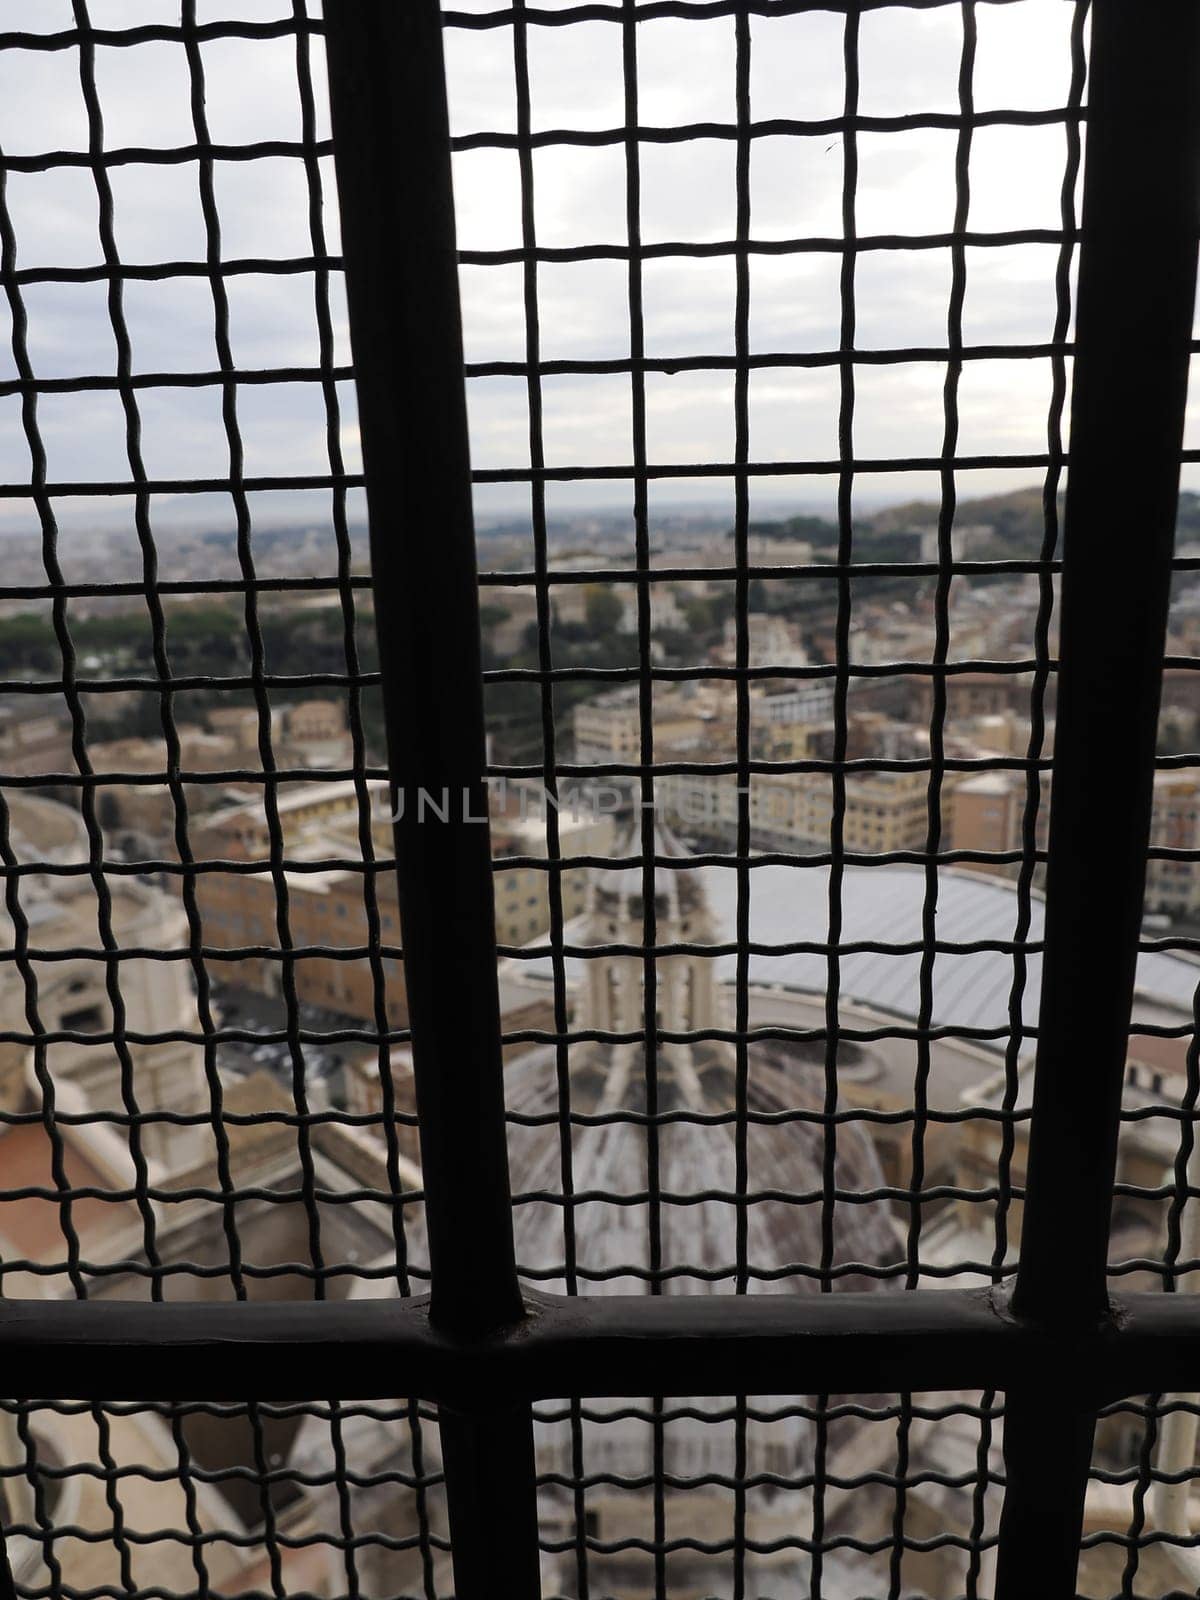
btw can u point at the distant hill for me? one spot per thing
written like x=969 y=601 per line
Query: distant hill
x=1014 y=518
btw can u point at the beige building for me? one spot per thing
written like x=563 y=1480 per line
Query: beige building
x=143 y=809
x=311 y=721
x=978 y=694
x=989 y=812
x=315 y=734
x=773 y=641
x=79 y=994
x=883 y=811
x=523 y=891
x=307 y=812
x=327 y=908
x=327 y=904
x=989 y=815
x=34 y=738
x=1173 y=886
x=609 y=729
x=239 y=724
x=146 y=810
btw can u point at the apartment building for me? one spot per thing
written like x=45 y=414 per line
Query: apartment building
x=520 y=843
x=1173 y=886
x=328 y=888
x=609 y=728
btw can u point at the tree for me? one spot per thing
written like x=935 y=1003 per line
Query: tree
x=604 y=610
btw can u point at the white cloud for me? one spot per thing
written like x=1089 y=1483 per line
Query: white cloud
x=909 y=62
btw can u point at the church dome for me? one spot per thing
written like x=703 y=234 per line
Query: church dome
x=698 y=1255
x=695 y=1079
x=693 y=1248
x=696 y=1154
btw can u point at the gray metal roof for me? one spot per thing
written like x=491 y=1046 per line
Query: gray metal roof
x=788 y=904
x=884 y=904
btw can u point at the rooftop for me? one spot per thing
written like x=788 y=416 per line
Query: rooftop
x=883 y=905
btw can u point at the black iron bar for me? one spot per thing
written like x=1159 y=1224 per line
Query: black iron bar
x=1137 y=273
x=616 y=1345
x=388 y=96
x=388 y=101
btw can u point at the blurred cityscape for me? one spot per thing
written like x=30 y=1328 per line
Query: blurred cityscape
x=195 y=1076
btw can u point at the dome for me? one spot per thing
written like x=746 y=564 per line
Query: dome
x=697 y=1162
x=697 y=1158
x=696 y=1232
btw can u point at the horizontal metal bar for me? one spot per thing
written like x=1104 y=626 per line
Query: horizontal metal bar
x=171 y=155
x=158 y=33
x=184 y=379
x=155 y=271
x=828 y=244
x=898 y=355
x=763 y=128
x=590 y=1346
x=685 y=10
x=68 y=488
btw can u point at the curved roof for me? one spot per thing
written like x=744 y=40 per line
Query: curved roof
x=695 y=1158
x=698 y=1220
x=883 y=905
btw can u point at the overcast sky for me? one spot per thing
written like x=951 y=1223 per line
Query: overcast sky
x=909 y=62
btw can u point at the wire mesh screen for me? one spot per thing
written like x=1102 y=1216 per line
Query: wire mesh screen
x=1138 y=1539
x=201 y=971
x=770 y=997
x=768 y=320
x=204 y=1076
x=715 y=1499
x=322 y=1498
x=1153 y=1242
x=775 y=779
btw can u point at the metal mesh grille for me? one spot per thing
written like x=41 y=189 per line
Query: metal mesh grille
x=860 y=1515
x=782 y=1079
x=768 y=995
x=194 y=846
x=1129 y=1538
x=176 y=1139
x=791 y=902
x=220 y=1499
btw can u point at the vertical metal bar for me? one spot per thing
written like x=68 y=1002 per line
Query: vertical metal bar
x=392 y=156
x=1047 y=1451
x=489 y=1465
x=646 y=791
x=1137 y=276
x=741 y=611
x=550 y=743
